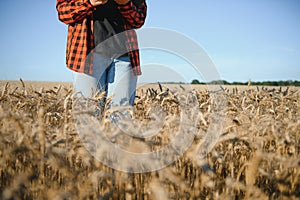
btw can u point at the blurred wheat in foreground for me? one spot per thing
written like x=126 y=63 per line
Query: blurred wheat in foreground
x=256 y=157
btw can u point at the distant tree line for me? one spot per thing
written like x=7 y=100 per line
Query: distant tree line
x=263 y=83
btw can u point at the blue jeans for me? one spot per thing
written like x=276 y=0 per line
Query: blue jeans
x=113 y=76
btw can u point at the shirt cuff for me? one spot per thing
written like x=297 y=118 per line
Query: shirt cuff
x=88 y=4
x=125 y=7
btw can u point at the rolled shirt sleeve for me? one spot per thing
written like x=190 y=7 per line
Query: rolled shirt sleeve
x=134 y=13
x=73 y=11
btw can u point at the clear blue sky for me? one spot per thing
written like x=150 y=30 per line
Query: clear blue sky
x=246 y=39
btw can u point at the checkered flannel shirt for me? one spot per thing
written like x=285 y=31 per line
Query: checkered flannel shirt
x=78 y=15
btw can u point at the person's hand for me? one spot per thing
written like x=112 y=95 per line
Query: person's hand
x=98 y=2
x=121 y=1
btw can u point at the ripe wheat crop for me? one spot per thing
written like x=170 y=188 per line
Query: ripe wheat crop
x=256 y=156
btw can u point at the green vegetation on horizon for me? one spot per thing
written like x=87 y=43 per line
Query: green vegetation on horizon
x=263 y=83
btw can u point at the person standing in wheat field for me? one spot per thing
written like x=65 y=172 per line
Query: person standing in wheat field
x=102 y=48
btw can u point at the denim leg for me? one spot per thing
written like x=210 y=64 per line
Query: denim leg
x=84 y=84
x=97 y=82
x=114 y=76
x=121 y=82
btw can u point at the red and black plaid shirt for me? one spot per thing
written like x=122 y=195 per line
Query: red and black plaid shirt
x=78 y=14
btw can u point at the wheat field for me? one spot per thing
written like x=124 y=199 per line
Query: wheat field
x=255 y=157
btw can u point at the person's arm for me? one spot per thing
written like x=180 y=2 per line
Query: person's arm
x=72 y=11
x=134 y=12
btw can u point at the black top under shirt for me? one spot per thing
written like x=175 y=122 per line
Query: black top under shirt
x=107 y=23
